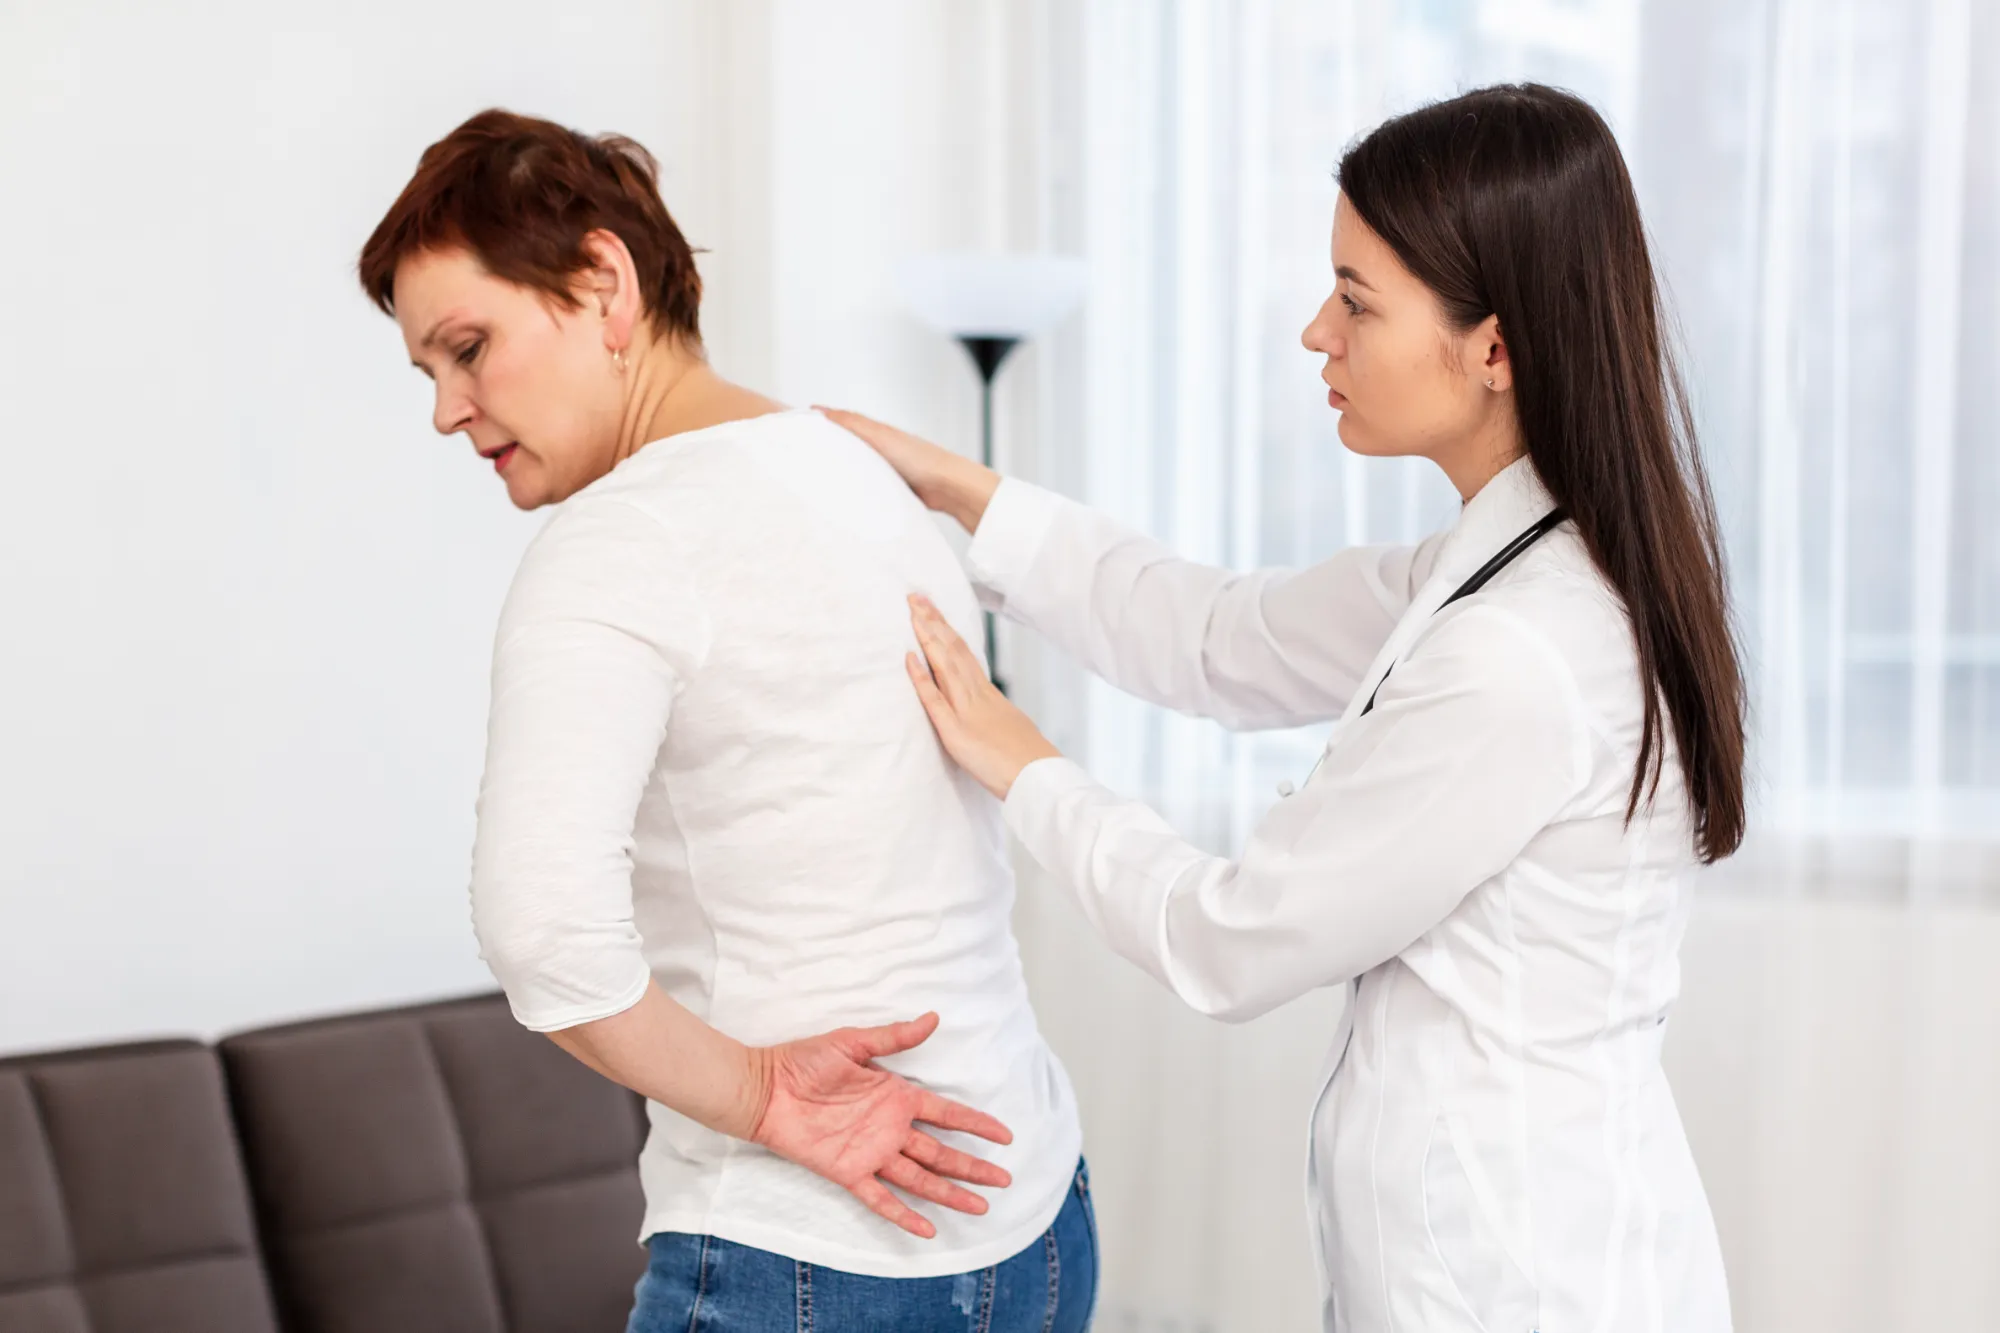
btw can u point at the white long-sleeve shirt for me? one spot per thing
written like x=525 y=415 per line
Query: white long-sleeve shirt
x=1496 y=1147
x=706 y=767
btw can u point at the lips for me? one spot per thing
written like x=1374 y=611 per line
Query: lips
x=501 y=455
x=1336 y=399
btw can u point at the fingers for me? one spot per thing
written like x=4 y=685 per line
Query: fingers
x=951 y=659
x=890 y=1038
x=843 y=418
x=928 y=693
x=947 y=1114
x=932 y=1155
x=937 y=661
x=906 y=1175
x=878 y=1198
x=874 y=432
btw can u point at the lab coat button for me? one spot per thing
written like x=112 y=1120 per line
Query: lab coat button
x=1285 y=789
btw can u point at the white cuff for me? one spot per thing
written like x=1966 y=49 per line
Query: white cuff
x=1116 y=857
x=1030 y=802
x=544 y=1013
x=1009 y=536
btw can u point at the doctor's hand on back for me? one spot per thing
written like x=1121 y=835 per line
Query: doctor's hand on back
x=981 y=728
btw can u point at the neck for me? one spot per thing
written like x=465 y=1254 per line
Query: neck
x=1481 y=456
x=674 y=390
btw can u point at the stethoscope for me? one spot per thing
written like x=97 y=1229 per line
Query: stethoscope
x=1480 y=578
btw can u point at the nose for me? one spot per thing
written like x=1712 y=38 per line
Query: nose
x=453 y=411
x=1323 y=335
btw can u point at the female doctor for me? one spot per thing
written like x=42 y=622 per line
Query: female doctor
x=1539 y=729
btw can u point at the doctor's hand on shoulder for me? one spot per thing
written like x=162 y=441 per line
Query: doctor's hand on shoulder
x=949 y=483
x=982 y=730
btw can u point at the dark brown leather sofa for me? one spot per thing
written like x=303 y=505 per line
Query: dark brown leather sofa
x=431 y=1169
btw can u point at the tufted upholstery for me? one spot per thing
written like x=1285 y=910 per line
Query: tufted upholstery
x=437 y=1169
x=123 y=1207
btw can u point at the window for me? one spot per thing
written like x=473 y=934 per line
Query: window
x=1821 y=181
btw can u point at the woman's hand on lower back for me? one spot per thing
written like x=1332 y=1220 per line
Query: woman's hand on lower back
x=981 y=728
x=829 y=1108
x=943 y=480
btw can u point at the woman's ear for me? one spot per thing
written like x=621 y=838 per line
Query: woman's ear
x=1490 y=360
x=609 y=287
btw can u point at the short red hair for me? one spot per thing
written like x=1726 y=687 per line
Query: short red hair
x=521 y=194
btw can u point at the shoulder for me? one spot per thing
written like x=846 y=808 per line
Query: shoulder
x=595 y=539
x=1570 y=630
x=1498 y=651
x=605 y=562
x=1548 y=631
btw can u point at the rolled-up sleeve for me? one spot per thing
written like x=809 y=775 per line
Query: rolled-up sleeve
x=601 y=630
x=1476 y=743
x=1273 y=648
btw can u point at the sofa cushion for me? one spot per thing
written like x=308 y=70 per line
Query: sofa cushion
x=438 y=1168
x=122 y=1200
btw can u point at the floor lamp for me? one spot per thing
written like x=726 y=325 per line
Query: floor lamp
x=991 y=304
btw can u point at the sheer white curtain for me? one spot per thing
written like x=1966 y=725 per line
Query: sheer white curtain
x=1211 y=132
x=1822 y=181
x=1820 y=177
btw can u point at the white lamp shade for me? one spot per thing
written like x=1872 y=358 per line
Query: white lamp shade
x=992 y=295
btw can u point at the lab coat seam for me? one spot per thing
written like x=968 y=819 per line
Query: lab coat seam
x=1381 y=1024
x=1649 y=1200
x=1430 y=1234
x=1517 y=1039
x=1616 y=1121
x=1485 y=1199
x=1378 y=588
x=1575 y=711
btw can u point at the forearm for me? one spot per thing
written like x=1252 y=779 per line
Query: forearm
x=961 y=491
x=661 y=1051
x=1250 y=650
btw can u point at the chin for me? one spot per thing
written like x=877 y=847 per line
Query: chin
x=527 y=490
x=1351 y=434
x=1358 y=439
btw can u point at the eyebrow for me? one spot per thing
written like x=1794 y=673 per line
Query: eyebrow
x=1346 y=271
x=429 y=340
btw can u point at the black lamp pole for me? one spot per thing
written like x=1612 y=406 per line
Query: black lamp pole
x=987 y=352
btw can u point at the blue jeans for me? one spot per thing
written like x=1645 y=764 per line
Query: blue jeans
x=698 y=1284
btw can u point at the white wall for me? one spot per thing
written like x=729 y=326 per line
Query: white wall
x=1837 y=1063
x=248 y=592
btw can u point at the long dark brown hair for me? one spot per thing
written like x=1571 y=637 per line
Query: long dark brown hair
x=1514 y=201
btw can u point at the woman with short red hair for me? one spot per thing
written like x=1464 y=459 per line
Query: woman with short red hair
x=714 y=822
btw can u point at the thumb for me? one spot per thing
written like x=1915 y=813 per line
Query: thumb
x=852 y=421
x=891 y=1038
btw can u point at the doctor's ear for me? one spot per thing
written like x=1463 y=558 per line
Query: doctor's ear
x=1492 y=366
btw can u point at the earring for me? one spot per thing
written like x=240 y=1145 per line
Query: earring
x=618 y=360
x=1489 y=384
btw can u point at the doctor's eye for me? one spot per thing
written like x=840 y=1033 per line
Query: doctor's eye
x=1354 y=307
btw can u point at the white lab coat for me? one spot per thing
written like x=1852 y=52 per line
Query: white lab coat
x=1495 y=1147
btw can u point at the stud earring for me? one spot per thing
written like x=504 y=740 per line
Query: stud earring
x=618 y=360
x=1489 y=384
